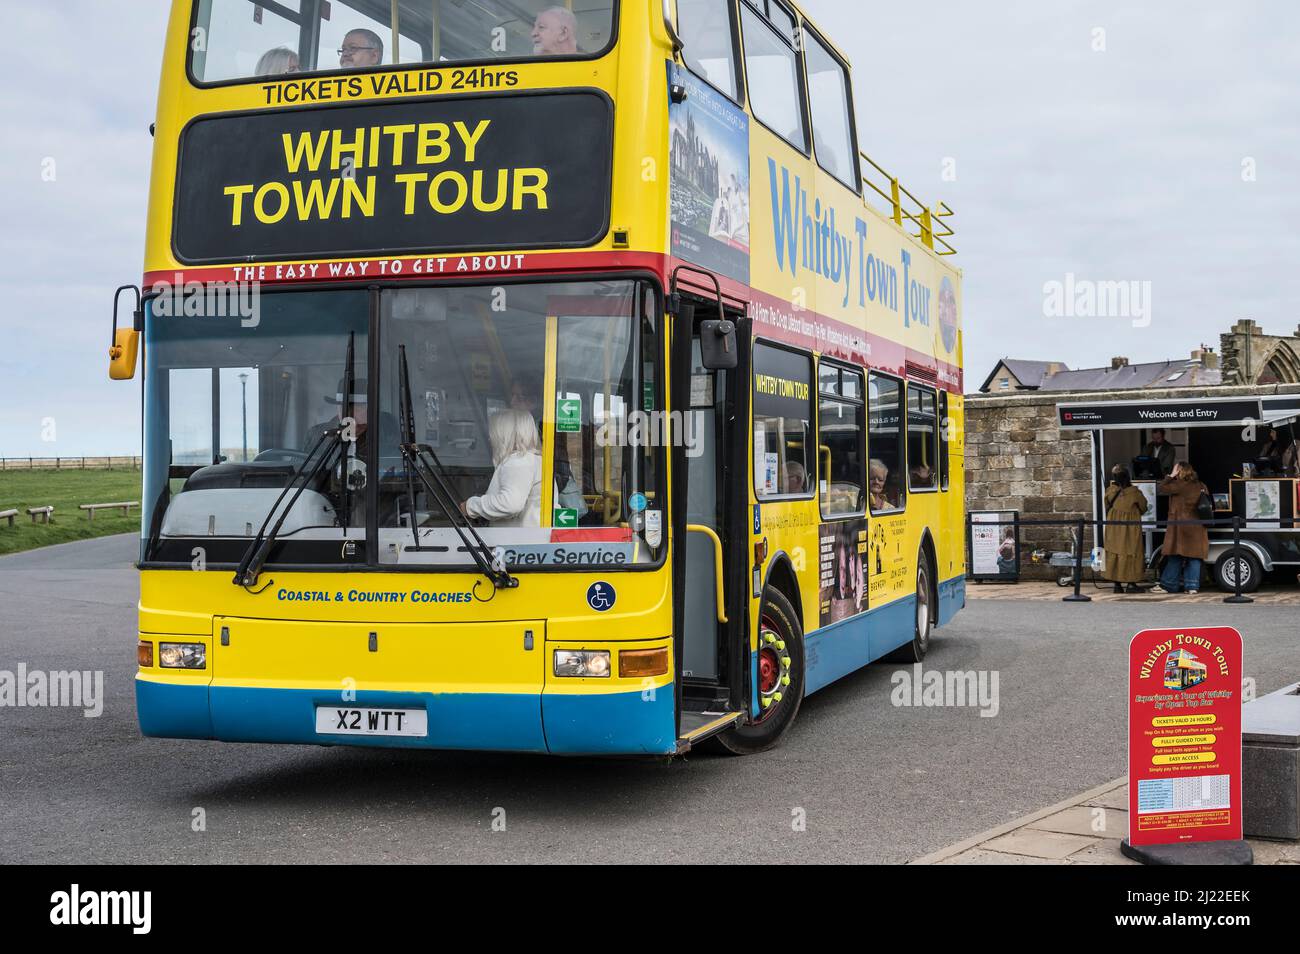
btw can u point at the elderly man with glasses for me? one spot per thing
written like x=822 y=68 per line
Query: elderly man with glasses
x=361 y=49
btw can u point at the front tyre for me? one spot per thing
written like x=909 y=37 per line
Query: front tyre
x=780 y=678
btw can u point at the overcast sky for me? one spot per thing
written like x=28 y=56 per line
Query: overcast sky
x=1121 y=164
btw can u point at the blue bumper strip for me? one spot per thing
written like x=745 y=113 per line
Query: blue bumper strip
x=622 y=723
x=619 y=723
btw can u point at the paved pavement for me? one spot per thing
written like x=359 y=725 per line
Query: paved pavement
x=1083 y=830
x=871 y=781
x=1275 y=594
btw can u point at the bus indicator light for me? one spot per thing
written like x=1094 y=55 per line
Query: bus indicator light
x=643 y=662
x=144 y=653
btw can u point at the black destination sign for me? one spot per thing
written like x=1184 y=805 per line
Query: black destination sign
x=1154 y=414
x=463 y=174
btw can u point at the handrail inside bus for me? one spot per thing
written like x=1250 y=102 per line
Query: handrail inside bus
x=717 y=566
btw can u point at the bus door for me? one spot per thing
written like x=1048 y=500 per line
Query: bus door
x=709 y=478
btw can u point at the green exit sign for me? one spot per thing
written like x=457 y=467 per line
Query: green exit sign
x=568 y=414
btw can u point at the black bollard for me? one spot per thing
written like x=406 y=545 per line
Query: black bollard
x=1236 y=596
x=1076 y=596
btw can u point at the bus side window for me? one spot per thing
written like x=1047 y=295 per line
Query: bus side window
x=772 y=74
x=943 y=440
x=782 y=422
x=828 y=98
x=922 y=438
x=885 y=487
x=705 y=28
x=840 y=438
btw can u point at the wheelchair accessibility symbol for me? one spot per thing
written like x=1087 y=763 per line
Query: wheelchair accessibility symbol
x=600 y=596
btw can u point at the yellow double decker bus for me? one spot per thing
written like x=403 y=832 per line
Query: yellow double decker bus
x=531 y=377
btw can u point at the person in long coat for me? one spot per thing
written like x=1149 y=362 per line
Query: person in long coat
x=1186 y=546
x=1125 y=561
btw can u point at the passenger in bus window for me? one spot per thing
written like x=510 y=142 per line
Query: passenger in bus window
x=922 y=476
x=878 y=476
x=524 y=393
x=361 y=48
x=277 y=61
x=514 y=495
x=555 y=32
x=796 y=478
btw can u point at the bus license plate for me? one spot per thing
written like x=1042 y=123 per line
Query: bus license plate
x=344 y=720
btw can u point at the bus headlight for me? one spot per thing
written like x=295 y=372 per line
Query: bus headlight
x=182 y=655
x=582 y=662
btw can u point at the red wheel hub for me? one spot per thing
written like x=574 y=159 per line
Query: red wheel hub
x=769 y=670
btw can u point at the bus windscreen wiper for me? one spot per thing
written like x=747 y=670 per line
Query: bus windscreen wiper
x=424 y=464
x=331 y=440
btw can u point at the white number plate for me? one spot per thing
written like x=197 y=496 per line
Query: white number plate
x=352 y=720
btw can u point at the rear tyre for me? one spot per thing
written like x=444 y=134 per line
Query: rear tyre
x=780 y=678
x=923 y=618
x=1234 y=561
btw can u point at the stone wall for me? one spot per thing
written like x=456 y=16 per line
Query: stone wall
x=1018 y=459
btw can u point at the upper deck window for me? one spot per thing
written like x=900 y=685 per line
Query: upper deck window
x=707 y=43
x=828 y=95
x=235 y=40
x=772 y=73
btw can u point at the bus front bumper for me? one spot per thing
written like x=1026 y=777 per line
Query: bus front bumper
x=564 y=723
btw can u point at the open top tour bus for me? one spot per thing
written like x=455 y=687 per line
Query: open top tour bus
x=531 y=377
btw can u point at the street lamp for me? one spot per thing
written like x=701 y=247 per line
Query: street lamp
x=243 y=396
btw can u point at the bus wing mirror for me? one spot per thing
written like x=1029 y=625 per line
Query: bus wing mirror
x=718 y=349
x=124 y=347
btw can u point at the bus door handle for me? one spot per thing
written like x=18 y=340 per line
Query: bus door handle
x=720 y=596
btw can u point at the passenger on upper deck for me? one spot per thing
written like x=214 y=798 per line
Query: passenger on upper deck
x=361 y=48
x=555 y=32
x=275 y=61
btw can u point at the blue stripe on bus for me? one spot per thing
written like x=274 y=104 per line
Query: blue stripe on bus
x=952 y=597
x=618 y=723
x=588 y=724
x=166 y=710
x=841 y=648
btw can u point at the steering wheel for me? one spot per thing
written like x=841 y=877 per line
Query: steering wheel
x=280 y=455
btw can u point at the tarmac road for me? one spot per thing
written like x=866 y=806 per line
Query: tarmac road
x=874 y=781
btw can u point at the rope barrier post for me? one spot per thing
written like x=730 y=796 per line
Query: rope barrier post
x=1236 y=596
x=1076 y=596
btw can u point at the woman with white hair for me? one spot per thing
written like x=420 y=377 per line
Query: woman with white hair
x=276 y=61
x=514 y=496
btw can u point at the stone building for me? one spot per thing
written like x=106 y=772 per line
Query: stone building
x=1018 y=458
x=1252 y=357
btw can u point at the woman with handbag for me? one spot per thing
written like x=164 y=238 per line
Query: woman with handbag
x=1186 y=545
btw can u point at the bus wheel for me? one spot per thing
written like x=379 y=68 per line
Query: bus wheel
x=1237 y=561
x=923 y=622
x=780 y=678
